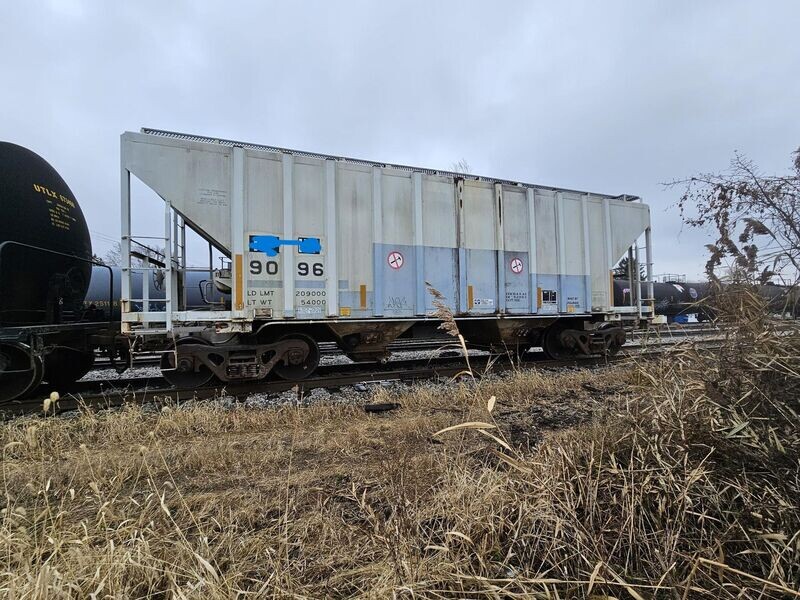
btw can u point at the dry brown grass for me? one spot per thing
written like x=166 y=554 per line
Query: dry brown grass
x=636 y=482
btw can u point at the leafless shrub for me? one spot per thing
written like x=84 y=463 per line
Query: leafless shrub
x=461 y=166
x=755 y=217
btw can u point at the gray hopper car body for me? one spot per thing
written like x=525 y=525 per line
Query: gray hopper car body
x=351 y=247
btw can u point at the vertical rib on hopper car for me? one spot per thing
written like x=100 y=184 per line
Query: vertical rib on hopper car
x=325 y=247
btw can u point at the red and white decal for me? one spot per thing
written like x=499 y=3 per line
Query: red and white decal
x=395 y=259
x=516 y=265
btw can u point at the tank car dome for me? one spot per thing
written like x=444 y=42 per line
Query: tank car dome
x=40 y=222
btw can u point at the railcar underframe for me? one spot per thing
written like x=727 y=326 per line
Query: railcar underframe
x=516 y=265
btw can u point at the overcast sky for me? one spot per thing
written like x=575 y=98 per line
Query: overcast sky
x=611 y=97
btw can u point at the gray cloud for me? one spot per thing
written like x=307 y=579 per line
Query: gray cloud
x=610 y=97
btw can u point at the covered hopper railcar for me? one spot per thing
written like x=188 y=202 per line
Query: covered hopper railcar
x=330 y=248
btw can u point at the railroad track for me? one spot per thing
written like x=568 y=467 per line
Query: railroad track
x=326 y=349
x=423 y=345
x=113 y=393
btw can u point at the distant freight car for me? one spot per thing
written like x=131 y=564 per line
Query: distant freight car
x=198 y=286
x=674 y=299
x=669 y=299
x=331 y=248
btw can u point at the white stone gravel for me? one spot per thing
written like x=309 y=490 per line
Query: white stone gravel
x=341 y=359
x=358 y=394
x=326 y=360
x=111 y=374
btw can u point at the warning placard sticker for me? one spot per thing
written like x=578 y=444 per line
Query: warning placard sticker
x=395 y=260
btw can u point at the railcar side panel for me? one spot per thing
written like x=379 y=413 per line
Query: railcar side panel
x=547 y=245
x=397 y=254
x=354 y=226
x=440 y=240
x=628 y=221
x=195 y=178
x=264 y=217
x=479 y=212
x=599 y=269
x=515 y=262
x=310 y=270
x=574 y=279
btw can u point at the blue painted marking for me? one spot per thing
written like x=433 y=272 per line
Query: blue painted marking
x=399 y=290
x=517 y=285
x=482 y=273
x=440 y=272
x=271 y=244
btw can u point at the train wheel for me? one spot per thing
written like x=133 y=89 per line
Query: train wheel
x=187 y=371
x=552 y=346
x=63 y=367
x=298 y=365
x=18 y=373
